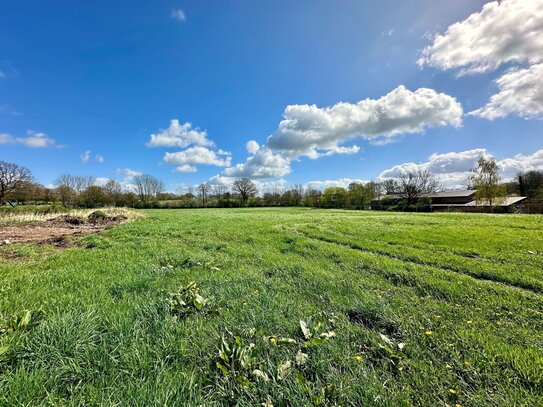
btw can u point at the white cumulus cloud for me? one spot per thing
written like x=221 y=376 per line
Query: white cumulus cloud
x=502 y=32
x=520 y=93
x=520 y=162
x=505 y=33
x=186 y=168
x=263 y=164
x=308 y=130
x=180 y=135
x=252 y=146
x=199 y=155
x=128 y=173
x=32 y=140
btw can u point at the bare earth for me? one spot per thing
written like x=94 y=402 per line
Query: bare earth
x=52 y=231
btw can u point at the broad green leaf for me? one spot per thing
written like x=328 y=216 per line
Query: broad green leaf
x=222 y=368
x=314 y=342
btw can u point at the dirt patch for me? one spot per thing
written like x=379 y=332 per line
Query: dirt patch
x=55 y=231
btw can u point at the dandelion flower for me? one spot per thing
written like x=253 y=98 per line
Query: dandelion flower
x=429 y=333
x=273 y=340
x=244 y=304
x=448 y=366
x=358 y=358
x=452 y=391
x=469 y=322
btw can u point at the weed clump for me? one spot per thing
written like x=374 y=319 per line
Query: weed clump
x=188 y=301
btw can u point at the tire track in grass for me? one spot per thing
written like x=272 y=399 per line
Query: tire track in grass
x=478 y=276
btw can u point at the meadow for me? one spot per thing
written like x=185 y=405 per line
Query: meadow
x=282 y=307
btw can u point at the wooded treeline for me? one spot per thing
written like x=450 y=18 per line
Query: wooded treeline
x=409 y=190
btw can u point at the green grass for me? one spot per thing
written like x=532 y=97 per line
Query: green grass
x=458 y=298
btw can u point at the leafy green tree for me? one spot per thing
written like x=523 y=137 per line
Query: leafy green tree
x=93 y=197
x=334 y=197
x=486 y=180
x=531 y=184
x=356 y=195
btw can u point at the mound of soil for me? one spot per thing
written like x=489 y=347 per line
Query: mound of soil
x=54 y=231
x=67 y=220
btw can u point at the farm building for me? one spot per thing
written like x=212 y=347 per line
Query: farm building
x=462 y=200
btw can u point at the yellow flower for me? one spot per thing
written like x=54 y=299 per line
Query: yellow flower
x=429 y=333
x=358 y=358
x=244 y=304
x=448 y=366
x=273 y=340
x=469 y=322
x=458 y=405
x=452 y=391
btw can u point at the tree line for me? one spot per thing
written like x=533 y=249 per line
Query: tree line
x=408 y=191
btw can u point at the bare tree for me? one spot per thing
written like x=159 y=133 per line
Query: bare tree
x=300 y=189
x=219 y=190
x=82 y=183
x=66 y=180
x=204 y=189
x=12 y=178
x=389 y=186
x=414 y=184
x=75 y=182
x=113 y=191
x=147 y=187
x=246 y=188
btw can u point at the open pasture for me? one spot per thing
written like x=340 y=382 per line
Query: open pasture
x=288 y=307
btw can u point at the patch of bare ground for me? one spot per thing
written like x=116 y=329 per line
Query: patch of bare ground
x=55 y=231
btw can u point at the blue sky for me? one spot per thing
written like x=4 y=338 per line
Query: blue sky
x=104 y=76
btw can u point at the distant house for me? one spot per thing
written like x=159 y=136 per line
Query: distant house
x=461 y=200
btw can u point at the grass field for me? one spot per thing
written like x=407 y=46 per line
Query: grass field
x=396 y=309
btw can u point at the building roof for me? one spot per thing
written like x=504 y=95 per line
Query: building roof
x=463 y=193
x=510 y=200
